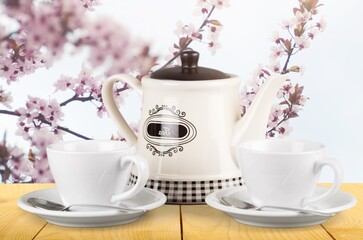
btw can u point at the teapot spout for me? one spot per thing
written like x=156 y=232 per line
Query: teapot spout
x=252 y=125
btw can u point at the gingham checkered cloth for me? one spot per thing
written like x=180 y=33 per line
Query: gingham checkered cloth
x=188 y=192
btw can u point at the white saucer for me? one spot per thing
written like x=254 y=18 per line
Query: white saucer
x=147 y=199
x=277 y=218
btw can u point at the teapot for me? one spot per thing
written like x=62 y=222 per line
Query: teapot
x=191 y=125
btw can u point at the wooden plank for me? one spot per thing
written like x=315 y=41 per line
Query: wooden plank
x=16 y=190
x=348 y=225
x=160 y=223
x=15 y=223
x=199 y=222
x=204 y=222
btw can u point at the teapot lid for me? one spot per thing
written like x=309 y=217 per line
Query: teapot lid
x=189 y=70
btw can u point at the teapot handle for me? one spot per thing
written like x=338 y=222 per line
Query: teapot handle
x=111 y=107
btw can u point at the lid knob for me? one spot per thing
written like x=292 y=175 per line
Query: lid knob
x=189 y=60
x=189 y=70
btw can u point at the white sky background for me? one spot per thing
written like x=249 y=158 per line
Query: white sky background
x=332 y=79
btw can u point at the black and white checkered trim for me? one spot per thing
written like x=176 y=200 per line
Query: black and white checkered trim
x=188 y=192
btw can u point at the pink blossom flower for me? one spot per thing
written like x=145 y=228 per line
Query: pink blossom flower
x=119 y=96
x=84 y=77
x=213 y=32
x=219 y=4
x=35 y=103
x=63 y=83
x=23 y=130
x=5 y=98
x=284 y=129
x=321 y=24
x=275 y=66
x=275 y=116
x=49 y=29
x=173 y=51
x=8 y=69
x=115 y=47
x=75 y=12
x=302 y=42
x=259 y=72
x=90 y=4
x=286 y=90
x=180 y=28
x=37 y=112
x=3 y=32
x=144 y=63
x=254 y=83
x=277 y=51
x=80 y=90
x=275 y=37
x=53 y=112
x=302 y=17
x=295 y=108
x=202 y=3
x=286 y=24
x=101 y=111
x=313 y=32
x=41 y=138
x=203 y=7
x=302 y=100
x=36 y=37
x=246 y=97
x=42 y=173
x=19 y=164
x=214 y=46
x=187 y=31
x=26 y=115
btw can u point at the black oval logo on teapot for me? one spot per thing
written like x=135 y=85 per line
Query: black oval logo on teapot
x=166 y=130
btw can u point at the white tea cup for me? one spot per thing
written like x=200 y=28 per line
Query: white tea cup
x=95 y=172
x=285 y=172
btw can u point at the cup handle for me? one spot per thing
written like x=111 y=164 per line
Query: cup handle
x=111 y=107
x=143 y=175
x=338 y=179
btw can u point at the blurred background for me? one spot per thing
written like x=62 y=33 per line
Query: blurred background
x=332 y=78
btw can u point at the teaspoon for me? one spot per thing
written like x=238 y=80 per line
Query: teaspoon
x=53 y=206
x=237 y=203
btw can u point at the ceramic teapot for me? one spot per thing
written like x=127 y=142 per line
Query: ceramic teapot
x=190 y=126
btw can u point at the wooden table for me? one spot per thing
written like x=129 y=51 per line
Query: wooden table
x=172 y=222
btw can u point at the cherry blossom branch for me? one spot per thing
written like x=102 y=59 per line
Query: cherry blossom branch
x=4 y=156
x=43 y=120
x=125 y=87
x=285 y=117
x=189 y=40
x=10 y=158
x=39 y=40
x=284 y=70
x=300 y=30
x=9 y=113
x=77 y=98
x=9 y=35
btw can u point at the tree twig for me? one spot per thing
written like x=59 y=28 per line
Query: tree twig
x=76 y=98
x=43 y=120
x=285 y=118
x=284 y=70
x=190 y=40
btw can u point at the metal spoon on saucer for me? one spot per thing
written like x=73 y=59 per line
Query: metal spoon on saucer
x=237 y=203
x=53 y=206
